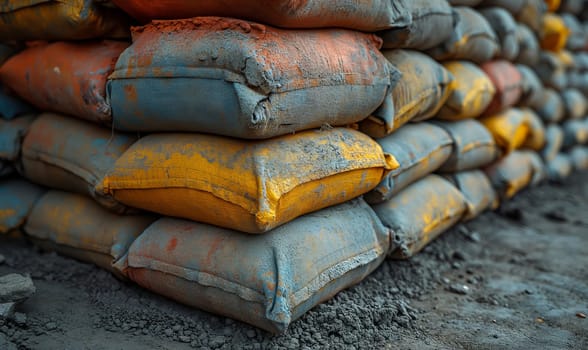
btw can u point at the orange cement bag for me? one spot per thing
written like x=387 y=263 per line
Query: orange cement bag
x=269 y=280
x=508 y=83
x=477 y=191
x=69 y=78
x=250 y=186
x=78 y=227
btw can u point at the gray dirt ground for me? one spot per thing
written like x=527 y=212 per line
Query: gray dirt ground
x=526 y=268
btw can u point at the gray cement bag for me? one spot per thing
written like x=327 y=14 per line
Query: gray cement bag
x=269 y=280
x=78 y=227
x=512 y=6
x=572 y=6
x=242 y=79
x=473 y=39
x=554 y=138
x=575 y=132
x=12 y=106
x=470 y=3
x=420 y=149
x=514 y=172
x=420 y=213
x=579 y=157
x=575 y=104
x=419 y=94
x=552 y=71
x=432 y=24
x=533 y=91
x=505 y=28
x=11 y=134
x=17 y=198
x=551 y=109
x=578 y=38
x=477 y=190
x=532 y=14
x=473 y=145
x=528 y=46
x=560 y=168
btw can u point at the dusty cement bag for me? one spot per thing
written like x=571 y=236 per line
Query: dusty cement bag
x=505 y=28
x=470 y=3
x=473 y=39
x=552 y=5
x=572 y=6
x=554 y=136
x=432 y=24
x=477 y=191
x=551 y=69
x=578 y=37
x=471 y=92
x=473 y=145
x=532 y=14
x=552 y=109
x=12 y=106
x=510 y=129
x=11 y=135
x=575 y=104
x=72 y=155
x=532 y=89
x=17 y=198
x=250 y=186
x=579 y=157
x=420 y=213
x=419 y=94
x=63 y=77
x=512 y=6
x=575 y=132
x=268 y=280
x=536 y=136
x=508 y=83
x=60 y=20
x=528 y=46
x=242 y=79
x=420 y=149
x=554 y=33
x=364 y=15
x=559 y=168
x=514 y=172
x=77 y=226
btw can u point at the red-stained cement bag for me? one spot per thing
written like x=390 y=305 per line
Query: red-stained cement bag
x=242 y=79
x=268 y=281
x=364 y=15
x=508 y=83
x=69 y=78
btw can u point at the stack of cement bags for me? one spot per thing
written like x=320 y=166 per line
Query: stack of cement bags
x=254 y=159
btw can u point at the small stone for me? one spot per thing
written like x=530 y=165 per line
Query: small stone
x=474 y=237
x=20 y=319
x=216 y=342
x=457 y=255
x=177 y=328
x=168 y=332
x=445 y=280
x=251 y=333
x=455 y=265
x=7 y=310
x=185 y=339
x=50 y=326
x=581 y=315
x=539 y=320
x=16 y=288
x=459 y=289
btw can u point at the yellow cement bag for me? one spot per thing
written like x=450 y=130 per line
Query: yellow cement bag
x=477 y=191
x=420 y=213
x=514 y=172
x=554 y=33
x=509 y=128
x=419 y=94
x=536 y=137
x=78 y=227
x=250 y=186
x=471 y=92
x=554 y=139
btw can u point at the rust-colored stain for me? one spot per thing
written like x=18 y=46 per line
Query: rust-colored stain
x=131 y=92
x=171 y=245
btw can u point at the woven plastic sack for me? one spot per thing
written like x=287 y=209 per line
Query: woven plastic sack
x=513 y=173
x=528 y=46
x=270 y=280
x=243 y=79
x=510 y=129
x=420 y=213
x=17 y=198
x=60 y=20
x=532 y=89
x=471 y=92
x=575 y=104
x=419 y=94
x=420 y=149
x=552 y=108
x=249 y=186
x=477 y=191
x=554 y=138
x=508 y=83
x=72 y=155
x=505 y=27
x=78 y=227
x=63 y=77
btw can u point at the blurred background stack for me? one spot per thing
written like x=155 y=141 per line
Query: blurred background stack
x=255 y=159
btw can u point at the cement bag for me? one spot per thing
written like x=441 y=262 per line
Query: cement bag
x=509 y=128
x=269 y=280
x=512 y=6
x=572 y=6
x=420 y=213
x=560 y=168
x=65 y=77
x=242 y=79
x=554 y=138
x=551 y=109
x=552 y=5
x=250 y=186
x=554 y=33
x=420 y=149
x=512 y=174
x=432 y=24
x=12 y=106
x=536 y=136
x=17 y=198
x=579 y=157
x=364 y=15
x=532 y=14
x=60 y=20
x=578 y=38
x=473 y=39
x=575 y=104
x=72 y=155
x=470 y=3
x=471 y=92
x=11 y=135
x=505 y=28
x=508 y=83
x=477 y=191
x=575 y=132
x=532 y=89
x=528 y=46
x=473 y=145
x=78 y=227
x=551 y=70
x=7 y=50
x=419 y=94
